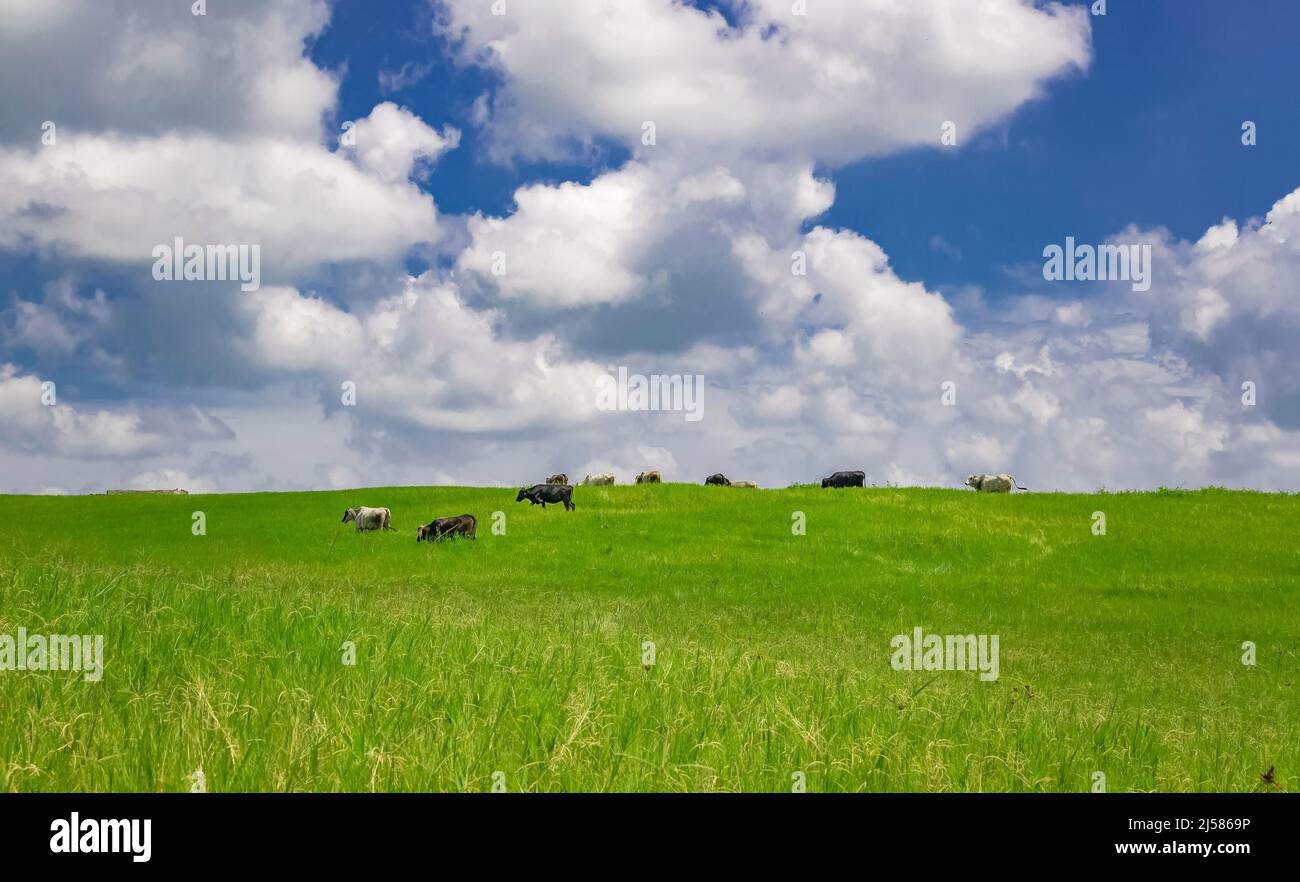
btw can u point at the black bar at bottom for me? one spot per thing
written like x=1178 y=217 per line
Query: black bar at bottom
x=215 y=831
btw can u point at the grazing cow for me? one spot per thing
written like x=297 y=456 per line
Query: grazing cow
x=993 y=483
x=461 y=525
x=369 y=518
x=846 y=479
x=748 y=484
x=540 y=494
x=558 y=479
x=650 y=477
x=719 y=479
x=604 y=478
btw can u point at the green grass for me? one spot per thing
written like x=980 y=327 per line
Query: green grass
x=522 y=653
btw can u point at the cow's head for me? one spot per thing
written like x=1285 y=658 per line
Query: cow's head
x=826 y=482
x=974 y=481
x=523 y=494
x=422 y=532
x=349 y=514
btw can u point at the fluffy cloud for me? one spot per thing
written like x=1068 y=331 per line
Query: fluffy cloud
x=880 y=323
x=148 y=69
x=116 y=199
x=849 y=79
x=423 y=360
x=62 y=324
x=568 y=245
x=391 y=141
x=1224 y=305
x=299 y=333
x=205 y=127
x=29 y=424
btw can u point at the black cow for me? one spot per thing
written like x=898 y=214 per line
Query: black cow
x=461 y=525
x=846 y=479
x=540 y=494
x=718 y=479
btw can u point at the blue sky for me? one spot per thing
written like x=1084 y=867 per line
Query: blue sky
x=796 y=235
x=1150 y=135
x=369 y=39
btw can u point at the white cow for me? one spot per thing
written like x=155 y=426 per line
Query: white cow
x=601 y=478
x=369 y=518
x=743 y=484
x=993 y=483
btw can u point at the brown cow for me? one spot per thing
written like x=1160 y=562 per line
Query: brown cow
x=461 y=525
x=650 y=477
x=558 y=479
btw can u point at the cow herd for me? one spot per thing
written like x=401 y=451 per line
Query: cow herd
x=558 y=491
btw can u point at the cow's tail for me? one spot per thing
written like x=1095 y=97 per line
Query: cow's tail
x=1017 y=486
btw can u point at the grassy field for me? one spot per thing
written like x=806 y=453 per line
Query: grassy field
x=523 y=653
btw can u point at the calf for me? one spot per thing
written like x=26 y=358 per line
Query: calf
x=461 y=525
x=993 y=483
x=369 y=518
x=540 y=494
x=846 y=479
x=602 y=478
x=719 y=479
x=558 y=479
x=650 y=477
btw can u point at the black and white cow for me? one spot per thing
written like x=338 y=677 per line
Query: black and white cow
x=993 y=483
